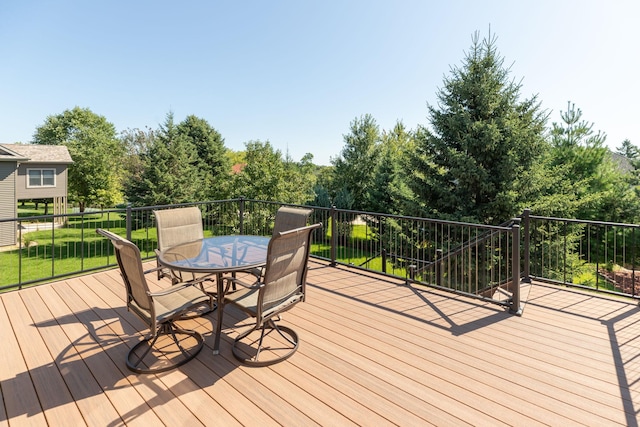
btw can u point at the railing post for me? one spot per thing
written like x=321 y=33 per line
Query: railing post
x=129 y=221
x=439 y=267
x=411 y=274
x=241 y=231
x=19 y=224
x=81 y=241
x=384 y=260
x=526 y=238
x=383 y=250
x=515 y=262
x=334 y=235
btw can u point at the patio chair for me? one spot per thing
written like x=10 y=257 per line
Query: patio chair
x=173 y=227
x=279 y=290
x=167 y=346
x=287 y=218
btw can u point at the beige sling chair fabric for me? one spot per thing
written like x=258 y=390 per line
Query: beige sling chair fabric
x=167 y=346
x=278 y=290
x=287 y=218
x=176 y=226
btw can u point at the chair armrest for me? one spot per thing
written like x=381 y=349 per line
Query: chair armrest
x=255 y=285
x=151 y=270
x=170 y=290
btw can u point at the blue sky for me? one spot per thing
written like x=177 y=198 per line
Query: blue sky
x=296 y=73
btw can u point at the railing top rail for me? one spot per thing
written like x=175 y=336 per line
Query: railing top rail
x=65 y=215
x=583 y=221
x=208 y=202
x=431 y=220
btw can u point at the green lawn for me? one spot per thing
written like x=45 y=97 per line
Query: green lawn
x=77 y=247
x=28 y=209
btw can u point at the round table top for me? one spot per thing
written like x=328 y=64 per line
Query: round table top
x=217 y=254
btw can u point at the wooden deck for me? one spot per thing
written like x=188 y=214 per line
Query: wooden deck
x=373 y=352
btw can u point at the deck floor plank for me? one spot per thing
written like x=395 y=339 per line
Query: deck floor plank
x=229 y=387
x=94 y=340
x=21 y=404
x=447 y=353
x=53 y=394
x=373 y=352
x=93 y=403
x=160 y=398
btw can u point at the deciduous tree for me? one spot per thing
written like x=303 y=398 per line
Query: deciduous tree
x=96 y=152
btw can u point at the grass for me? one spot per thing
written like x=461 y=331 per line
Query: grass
x=28 y=208
x=76 y=247
x=72 y=248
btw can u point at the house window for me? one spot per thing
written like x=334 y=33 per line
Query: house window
x=41 y=177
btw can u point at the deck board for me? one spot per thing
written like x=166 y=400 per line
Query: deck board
x=373 y=352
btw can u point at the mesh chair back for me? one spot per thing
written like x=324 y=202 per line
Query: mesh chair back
x=288 y=218
x=287 y=263
x=180 y=225
x=130 y=263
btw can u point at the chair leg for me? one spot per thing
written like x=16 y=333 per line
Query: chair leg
x=165 y=359
x=269 y=326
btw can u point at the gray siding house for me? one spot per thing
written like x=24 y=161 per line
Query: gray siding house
x=30 y=171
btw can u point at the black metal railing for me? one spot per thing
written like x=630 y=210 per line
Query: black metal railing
x=594 y=255
x=471 y=259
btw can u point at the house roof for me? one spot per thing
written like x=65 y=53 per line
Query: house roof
x=8 y=155
x=35 y=153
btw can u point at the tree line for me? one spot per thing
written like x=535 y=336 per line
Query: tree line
x=485 y=155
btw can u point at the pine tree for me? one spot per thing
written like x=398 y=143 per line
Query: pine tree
x=354 y=168
x=211 y=161
x=483 y=138
x=170 y=174
x=389 y=192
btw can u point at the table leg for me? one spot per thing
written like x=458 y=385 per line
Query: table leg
x=220 y=287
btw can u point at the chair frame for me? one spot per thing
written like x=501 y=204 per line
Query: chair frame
x=287 y=218
x=140 y=301
x=189 y=220
x=165 y=222
x=267 y=315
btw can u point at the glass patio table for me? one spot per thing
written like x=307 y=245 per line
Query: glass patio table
x=217 y=255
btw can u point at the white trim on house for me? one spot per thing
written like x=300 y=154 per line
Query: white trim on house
x=43 y=179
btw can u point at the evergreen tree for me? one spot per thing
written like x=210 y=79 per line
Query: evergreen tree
x=628 y=150
x=594 y=186
x=170 y=173
x=483 y=139
x=389 y=192
x=354 y=168
x=211 y=162
x=136 y=143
